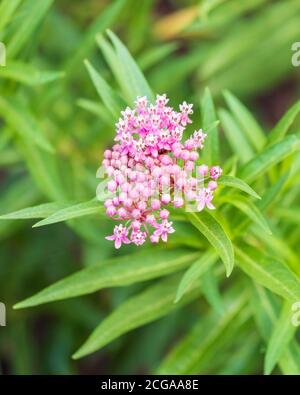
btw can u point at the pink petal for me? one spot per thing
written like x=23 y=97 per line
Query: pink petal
x=210 y=206
x=118 y=243
x=164 y=237
x=200 y=206
x=112 y=237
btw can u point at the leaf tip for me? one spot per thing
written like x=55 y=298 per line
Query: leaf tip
x=18 y=306
x=77 y=355
x=37 y=224
x=229 y=271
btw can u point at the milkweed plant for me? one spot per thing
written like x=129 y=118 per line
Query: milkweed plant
x=207 y=216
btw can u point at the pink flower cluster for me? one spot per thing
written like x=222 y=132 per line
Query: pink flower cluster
x=150 y=167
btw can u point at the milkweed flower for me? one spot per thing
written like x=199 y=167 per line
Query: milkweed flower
x=150 y=168
x=119 y=236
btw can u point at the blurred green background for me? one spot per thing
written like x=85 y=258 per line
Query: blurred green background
x=182 y=47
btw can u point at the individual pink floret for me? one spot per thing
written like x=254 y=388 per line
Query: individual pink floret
x=119 y=236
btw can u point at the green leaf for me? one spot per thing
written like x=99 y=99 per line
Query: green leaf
x=289 y=214
x=234 y=182
x=153 y=303
x=153 y=55
x=216 y=235
x=111 y=100
x=120 y=271
x=279 y=247
x=17 y=194
x=97 y=109
x=194 y=272
x=75 y=211
x=282 y=334
x=31 y=15
x=27 y=74
x=269 y=272
x=235 y=137
x=110 y=57
x=210 y=290
x=208 y=114
x=23 y=123
x=40 y=211
x=247 y=122
x=248 y=208
x=187 y=353
x=279 y=131
x=273 y=192
x=265 y=312
x=102 y=22
x=44 y=169
x=7 y=9
x=133 y=83
x=268 y=158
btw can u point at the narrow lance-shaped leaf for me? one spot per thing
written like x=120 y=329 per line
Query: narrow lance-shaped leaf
x=187 y=353
x=267 y=199
x=97 y=109
x=235 y=137
x=208 y=114
x=154 y=55
x=246 y=120
x=282 y=334
x=23 y=123
x=235 y=182
x=288 y=214
x=195 y=272
x=134 y=82
x=265 y=312
x=211 y=292
x=7 y=9
x=111 y=100
x=18 y=194
x=268 y=158
x=269 y=272
x=79 y=210
x=153 y=303
x=279 y=247
x=102 y=22
x=40 y=211
x=44 y=169
x=248 y=208
x=32 y=13
x=27 y=74
x=273 y=191
x=216 y=235
x=110 y=56
x=279 y=131
x=120 y=271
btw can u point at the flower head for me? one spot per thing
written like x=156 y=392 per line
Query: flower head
x=150 y=168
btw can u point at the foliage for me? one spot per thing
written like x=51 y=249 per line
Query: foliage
x=217 y=298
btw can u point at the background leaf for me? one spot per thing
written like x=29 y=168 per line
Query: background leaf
x=114 y=272
x=216 y=235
